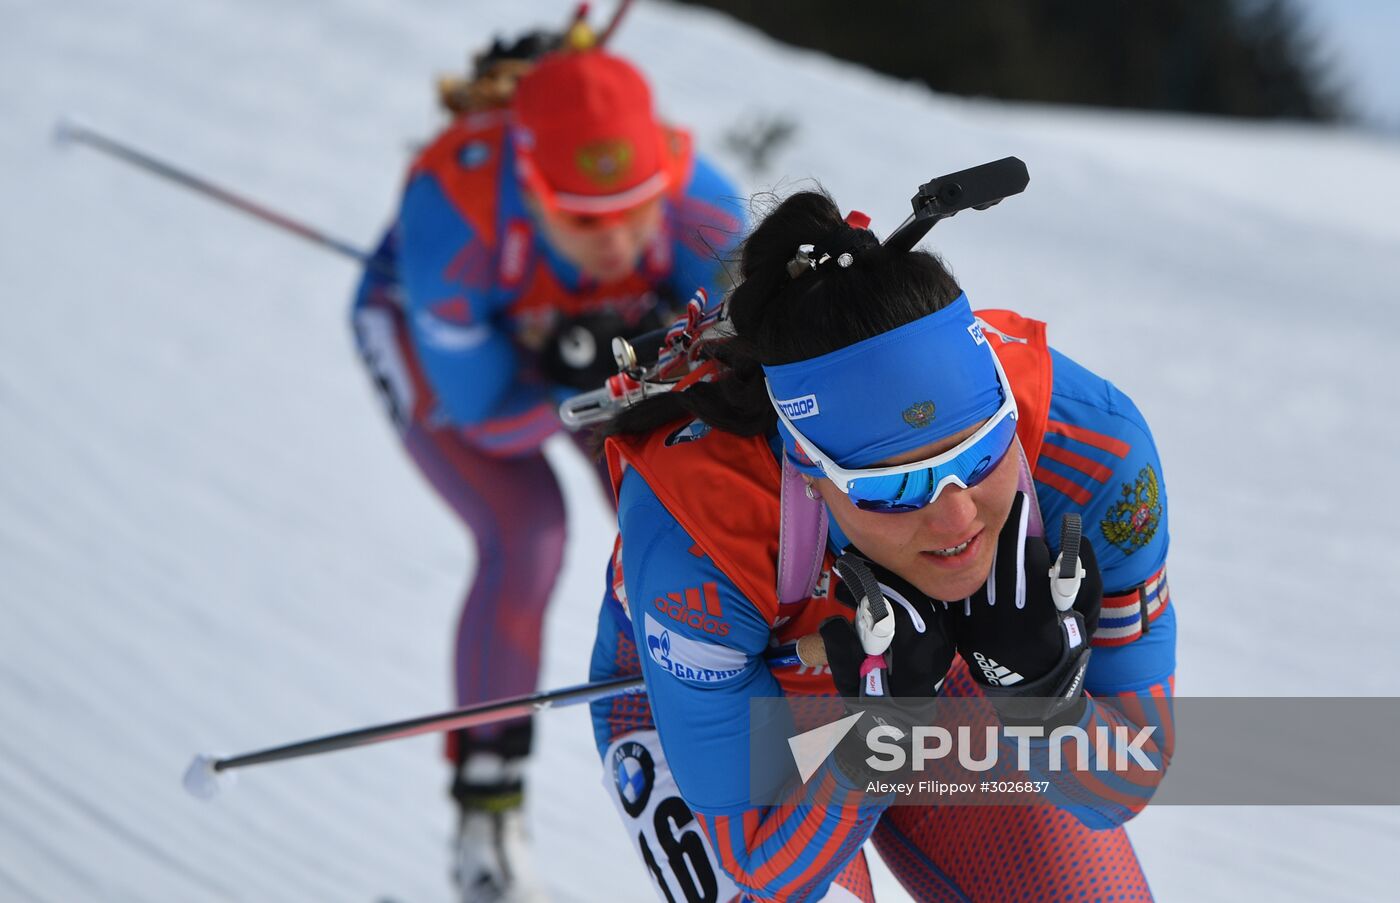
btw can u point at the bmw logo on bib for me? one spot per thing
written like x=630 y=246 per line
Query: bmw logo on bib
x=634 y=773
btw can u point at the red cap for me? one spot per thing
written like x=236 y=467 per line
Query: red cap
x=586 y=138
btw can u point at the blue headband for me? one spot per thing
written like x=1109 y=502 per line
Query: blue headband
x=890 y=393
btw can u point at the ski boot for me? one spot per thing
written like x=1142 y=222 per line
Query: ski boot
x=491 y=855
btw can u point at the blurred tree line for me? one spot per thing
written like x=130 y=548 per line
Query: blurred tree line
x=1253 y=58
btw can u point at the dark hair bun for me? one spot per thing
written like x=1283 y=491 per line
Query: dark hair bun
x=779 y=318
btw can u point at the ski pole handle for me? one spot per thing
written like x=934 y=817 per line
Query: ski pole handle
x=874 y=622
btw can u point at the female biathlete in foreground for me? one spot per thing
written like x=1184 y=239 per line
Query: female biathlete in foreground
x=871 y=357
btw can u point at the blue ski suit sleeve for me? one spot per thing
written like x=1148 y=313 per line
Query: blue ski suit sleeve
x=379 y=278
x=1099 y=460
x=702 y=668
x=470 y=362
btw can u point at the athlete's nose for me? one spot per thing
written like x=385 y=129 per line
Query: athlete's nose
x=950 y=516
x=613 y=237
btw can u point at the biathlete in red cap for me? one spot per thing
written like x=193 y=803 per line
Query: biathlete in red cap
x=864 y=435
x=554 y=212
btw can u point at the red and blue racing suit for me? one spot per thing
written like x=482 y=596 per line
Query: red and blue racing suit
x=1097 y=458
x=449 y=317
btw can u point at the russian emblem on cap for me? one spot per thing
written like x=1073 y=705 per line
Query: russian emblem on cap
x=604 y=162
x=919 y=415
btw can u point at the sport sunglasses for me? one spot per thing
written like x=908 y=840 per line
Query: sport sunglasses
x=908 y=487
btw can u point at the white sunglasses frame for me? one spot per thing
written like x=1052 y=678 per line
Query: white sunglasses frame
x=843 y=478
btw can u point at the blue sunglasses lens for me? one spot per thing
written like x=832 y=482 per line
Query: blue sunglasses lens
x=913 y=490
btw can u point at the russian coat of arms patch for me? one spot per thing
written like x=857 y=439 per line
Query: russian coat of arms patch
x=604 y=162
x=1133 y=521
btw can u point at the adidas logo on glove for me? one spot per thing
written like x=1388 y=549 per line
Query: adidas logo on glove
x=997 y=675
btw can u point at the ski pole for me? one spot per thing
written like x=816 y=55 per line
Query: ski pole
x=71 y=131
x=201 y=778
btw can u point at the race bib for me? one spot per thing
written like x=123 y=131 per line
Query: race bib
x=379 y=346
x=670 y=841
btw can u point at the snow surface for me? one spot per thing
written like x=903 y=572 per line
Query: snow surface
x=209 y=539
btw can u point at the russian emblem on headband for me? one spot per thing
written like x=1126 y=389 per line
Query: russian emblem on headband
x=919 y=415
x=604 y=162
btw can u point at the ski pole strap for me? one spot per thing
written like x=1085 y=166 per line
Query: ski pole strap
x=872 y=676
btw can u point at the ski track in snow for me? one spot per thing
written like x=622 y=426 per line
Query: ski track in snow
x=209 y=539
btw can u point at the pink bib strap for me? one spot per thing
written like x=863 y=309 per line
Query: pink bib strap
x=1026 y=484
x=801 y=538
